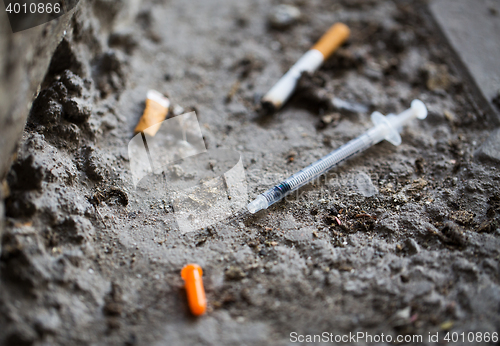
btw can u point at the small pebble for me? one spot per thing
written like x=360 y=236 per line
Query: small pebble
x=283 y=16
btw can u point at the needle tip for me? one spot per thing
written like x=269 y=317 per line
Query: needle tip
x=257 y=204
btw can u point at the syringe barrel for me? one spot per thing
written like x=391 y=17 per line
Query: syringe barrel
x=316 y=169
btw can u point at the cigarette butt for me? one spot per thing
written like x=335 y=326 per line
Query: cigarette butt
x=332 y=39
x=309 y=62
x=155 y=112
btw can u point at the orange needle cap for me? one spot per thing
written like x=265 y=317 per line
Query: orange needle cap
x=193 y=282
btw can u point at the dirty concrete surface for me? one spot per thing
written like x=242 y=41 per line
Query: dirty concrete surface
x=24 y=60
x=399 y=240
x=471 y=29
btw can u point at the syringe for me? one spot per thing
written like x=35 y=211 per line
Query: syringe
x=386 y=127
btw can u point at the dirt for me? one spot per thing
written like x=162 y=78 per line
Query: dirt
x=398 y=240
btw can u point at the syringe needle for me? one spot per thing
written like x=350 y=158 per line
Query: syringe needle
x=385 y=127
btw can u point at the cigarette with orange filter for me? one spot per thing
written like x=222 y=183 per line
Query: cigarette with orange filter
x=155 y=112
x=309 y=62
